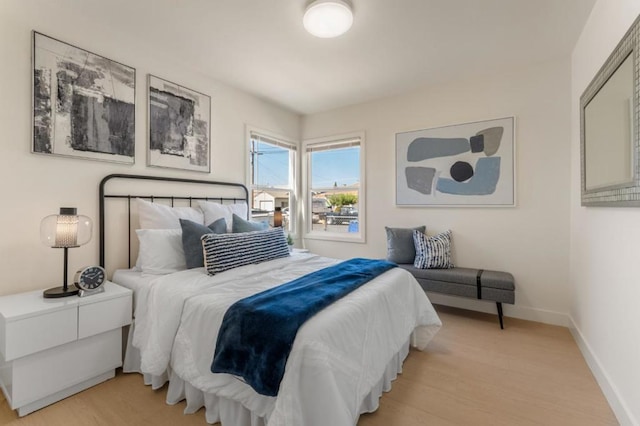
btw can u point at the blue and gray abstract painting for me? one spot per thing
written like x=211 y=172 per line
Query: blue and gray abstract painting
x=479 y=178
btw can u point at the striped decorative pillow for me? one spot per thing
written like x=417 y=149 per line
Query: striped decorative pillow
x=432 y=252
x=228 y=251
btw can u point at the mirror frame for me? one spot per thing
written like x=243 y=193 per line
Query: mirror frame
x=625 y=194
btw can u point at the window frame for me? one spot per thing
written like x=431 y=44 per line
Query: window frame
x=307 y=198
x=284 y=142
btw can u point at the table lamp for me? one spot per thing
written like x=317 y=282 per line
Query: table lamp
x=65 y=230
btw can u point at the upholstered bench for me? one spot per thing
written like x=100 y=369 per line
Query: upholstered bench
x=478 y=284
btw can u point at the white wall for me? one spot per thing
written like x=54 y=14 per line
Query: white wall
x=531 y=240
x=34 y=186
x=605 y=242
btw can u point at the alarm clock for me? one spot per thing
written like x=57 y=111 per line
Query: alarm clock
x=90 y=280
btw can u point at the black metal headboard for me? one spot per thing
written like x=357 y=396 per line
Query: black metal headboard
x=243 y=196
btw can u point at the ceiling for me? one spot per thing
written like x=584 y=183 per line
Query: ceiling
x=393 y=47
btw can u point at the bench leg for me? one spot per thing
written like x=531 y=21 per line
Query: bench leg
x=499 y=305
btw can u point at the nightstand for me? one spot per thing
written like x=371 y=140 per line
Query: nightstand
x=53 y=348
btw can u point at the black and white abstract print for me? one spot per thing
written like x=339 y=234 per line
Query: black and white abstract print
x=179 y=126
x=83 y=104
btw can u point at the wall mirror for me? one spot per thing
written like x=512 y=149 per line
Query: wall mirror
x=609 y=137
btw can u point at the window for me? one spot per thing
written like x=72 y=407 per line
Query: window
x=334 y=188
x=272 y=165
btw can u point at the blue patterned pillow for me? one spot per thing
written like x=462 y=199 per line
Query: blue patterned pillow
x=432 y=252
x=228 y=251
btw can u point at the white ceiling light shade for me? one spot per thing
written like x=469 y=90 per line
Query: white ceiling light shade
x=328 y=18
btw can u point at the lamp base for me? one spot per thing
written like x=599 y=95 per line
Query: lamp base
x=57 y=292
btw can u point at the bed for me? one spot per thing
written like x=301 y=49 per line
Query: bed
x=341 y=360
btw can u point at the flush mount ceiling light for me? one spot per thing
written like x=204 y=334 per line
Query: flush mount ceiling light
x=328 y=18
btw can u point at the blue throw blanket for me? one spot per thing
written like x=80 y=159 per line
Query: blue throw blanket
x=257 y=332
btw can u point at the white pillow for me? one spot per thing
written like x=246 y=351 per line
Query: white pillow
x=159 y=216
x=160 y=251
x=214 y=211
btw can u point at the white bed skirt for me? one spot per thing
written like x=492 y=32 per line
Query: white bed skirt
x=232 y=413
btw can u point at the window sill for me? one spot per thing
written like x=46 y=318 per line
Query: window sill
x=338 y=237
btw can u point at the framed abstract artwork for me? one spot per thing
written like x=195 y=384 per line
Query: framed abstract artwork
x=179 y=127
x=465 y=165
x=83 y=104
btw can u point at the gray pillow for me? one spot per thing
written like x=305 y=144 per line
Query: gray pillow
x=400 y=246
x=191 y=243
x=242 y=225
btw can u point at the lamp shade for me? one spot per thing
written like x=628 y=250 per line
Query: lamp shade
x=328 y=18
x=67 y=229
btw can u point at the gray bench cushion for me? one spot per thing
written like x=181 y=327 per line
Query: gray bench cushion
x=498 y=279
x=456 y=275
x=495 y=285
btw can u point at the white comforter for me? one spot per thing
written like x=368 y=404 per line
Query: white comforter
x=337 y=357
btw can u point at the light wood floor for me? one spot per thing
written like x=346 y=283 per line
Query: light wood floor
x=472 y=374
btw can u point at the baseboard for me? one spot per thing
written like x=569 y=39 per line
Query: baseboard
x=514 y=311
x=617 y=404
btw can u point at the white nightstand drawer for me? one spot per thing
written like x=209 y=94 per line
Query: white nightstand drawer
x=106 y=315
x=44 y=373
x=36 y=333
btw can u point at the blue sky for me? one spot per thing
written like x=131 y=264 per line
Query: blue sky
x=341 y=166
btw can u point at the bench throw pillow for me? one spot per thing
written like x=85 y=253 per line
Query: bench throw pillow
x=432 y=252
x=400 y=246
